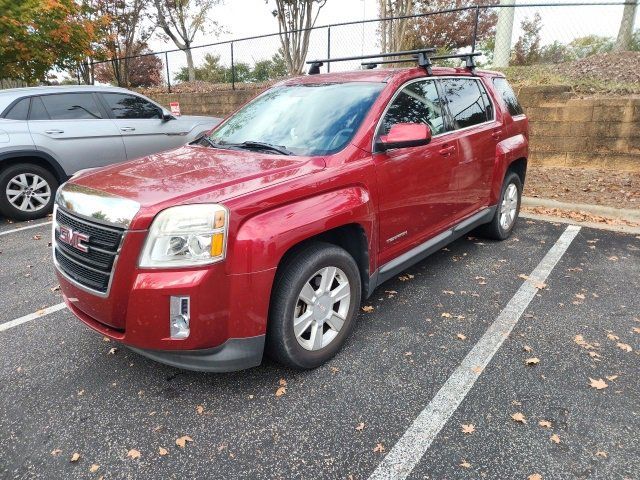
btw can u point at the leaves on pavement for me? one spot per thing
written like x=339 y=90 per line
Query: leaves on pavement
x=75 y=457
x=182 y=441
x=360 y=426
x=94 y=468
x=133 y=453
x=367 y=309
x=379 y=448
x=555 y=438
x=468 y=428
x=518 y=417
x=624 y=347
x=597 y=384
x=534 y=476
x=532 y=361
x=162 y=451
x=461 y=336
x=544 y=423
x=465 y=464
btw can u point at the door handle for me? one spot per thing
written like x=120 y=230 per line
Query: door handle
x=446 y=151
x=497 y=133
x=53 y=132
x=127 y=129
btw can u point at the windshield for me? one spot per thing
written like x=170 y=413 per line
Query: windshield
x=303 y=119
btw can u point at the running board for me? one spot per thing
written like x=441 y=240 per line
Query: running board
x=422 y=251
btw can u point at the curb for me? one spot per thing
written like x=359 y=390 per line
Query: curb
x=630 y=215
x=568 y=221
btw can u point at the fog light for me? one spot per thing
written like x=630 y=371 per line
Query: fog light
x=179 y=317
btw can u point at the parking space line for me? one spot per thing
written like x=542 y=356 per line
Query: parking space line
x=24 y=228
x=414 y=443
x=31 y=316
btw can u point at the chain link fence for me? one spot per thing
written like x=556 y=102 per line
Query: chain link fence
x=506 y=34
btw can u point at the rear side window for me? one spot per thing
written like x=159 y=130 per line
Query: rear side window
x=38 y=111
x=71 y=106
x=465 y=101
x=418 y=102
x=506 y=92
x=19 y=111
x=131 y=106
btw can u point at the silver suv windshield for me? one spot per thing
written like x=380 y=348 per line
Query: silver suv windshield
x=312 y=119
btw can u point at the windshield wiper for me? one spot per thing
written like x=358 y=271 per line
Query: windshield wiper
x=263 y=146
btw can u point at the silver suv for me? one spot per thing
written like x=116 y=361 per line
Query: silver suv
x=49 y=133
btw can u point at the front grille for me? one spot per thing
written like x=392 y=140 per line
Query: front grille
x=93 y=268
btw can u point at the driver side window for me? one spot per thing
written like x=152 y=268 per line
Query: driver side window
x=417 y=102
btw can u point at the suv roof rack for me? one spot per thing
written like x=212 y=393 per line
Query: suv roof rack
x=420 y=56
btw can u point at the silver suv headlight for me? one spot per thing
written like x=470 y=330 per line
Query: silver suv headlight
x=186 y=236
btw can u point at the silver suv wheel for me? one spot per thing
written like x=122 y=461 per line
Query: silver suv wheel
x=322 y=308
x=28 y=192
x=509 y=206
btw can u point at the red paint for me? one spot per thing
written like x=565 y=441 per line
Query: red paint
x=400 y=197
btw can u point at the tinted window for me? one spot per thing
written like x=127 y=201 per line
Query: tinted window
x=309 y=119
x=465 y=101
x=418 y=102
x=488 y=107
x=19 y=111
x=507 y=94
x=130 y=106
x=71 y=106
x=38 y=111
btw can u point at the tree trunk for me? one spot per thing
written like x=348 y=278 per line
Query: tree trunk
x=504 y=31
x=190 y=67
x=623 y=42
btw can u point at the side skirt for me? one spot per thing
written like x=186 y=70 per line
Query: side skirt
x=422 y=251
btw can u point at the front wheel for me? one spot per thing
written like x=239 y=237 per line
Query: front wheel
x=507 y=210
x=315 y=299
x=26 y=191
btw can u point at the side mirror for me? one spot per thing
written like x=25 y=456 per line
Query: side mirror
x=403 y=135
x=166 y=115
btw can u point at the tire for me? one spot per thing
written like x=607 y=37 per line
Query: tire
x=307 y=350
x=20 y=177
x=497 y=229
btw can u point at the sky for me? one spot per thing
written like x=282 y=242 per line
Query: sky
x=246 y=18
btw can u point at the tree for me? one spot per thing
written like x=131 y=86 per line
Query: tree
x=271 y=69
x=182 y=20
x=448 y=31
x=212 y=71
x=129 y=27
x=625 y=33
x=295 y=20
x=527 y=51
x=38 y=36
x=392 y=32
x=143 y=71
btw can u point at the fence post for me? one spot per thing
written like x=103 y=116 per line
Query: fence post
x=233 y=70
x=475 y=30
x=93 y=74
x=166 y=64
x=328 y=48
x=78 y=74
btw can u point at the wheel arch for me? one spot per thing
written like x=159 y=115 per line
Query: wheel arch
x=35 y=157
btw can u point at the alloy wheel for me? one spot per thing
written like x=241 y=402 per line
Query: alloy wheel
x=28 y=192
x=509 y=207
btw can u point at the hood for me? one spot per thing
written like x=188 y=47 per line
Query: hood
x=176 y=176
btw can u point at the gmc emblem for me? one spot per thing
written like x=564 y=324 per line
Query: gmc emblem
x=75 y=239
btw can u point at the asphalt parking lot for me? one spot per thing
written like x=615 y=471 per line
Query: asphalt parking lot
x=532 y=407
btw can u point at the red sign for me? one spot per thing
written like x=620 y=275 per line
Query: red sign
x=175 y=108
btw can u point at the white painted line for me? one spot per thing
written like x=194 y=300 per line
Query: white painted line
x=406 y=454
x=7 y=232
x=31 y=316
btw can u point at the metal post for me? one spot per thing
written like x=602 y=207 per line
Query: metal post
x=78 y=74
x=328 y=48
x=475 y=30
x=166 y=64
x=93 y=74
x=233 y=70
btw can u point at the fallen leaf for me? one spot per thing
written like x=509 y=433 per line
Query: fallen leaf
x=469 y=428
x=595 y=355
x=611 y=378
x=636 y=329
x=182 y=441
x=580 y=296
x=281 y=391
x=611 y=336
x=163 y=451
x=527 y=348
x=133 y=453
x=55 y=289
x=446 y=315
x=94 y=468
x=75 y=457
x=544 y=423
x=579 y=339
x=448 y=292
x=379 y=448
x=465 y=464
x=624 y=346
x=334 y=370
x=367 y=309
x=56 y=452
x=112 y=351
x=360 y=426
x=597 y=384
x=37 y=237
x=535 y=476
x=555 y=438
x=477 y=369
x=199 y=409
x=532 y=361
x=523 y=276
x=518 y=417
x=540 y=285
x=461 y=336
x=601 y=454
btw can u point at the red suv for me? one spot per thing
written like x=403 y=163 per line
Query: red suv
x=267 y=232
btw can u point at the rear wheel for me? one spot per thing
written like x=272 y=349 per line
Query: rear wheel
x=26 y=191
x=314 y=302
x=507 y=210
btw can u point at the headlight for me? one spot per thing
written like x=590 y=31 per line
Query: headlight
x=186 y=236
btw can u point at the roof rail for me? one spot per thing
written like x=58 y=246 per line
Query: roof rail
x=316 y=64
x=425 y=61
